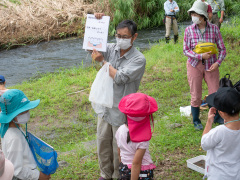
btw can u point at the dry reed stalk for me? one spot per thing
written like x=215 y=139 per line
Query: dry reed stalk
x=35 y=20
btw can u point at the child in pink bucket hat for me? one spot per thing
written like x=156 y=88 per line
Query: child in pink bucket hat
x=133 y=137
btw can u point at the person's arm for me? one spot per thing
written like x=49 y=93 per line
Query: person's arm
x=176 y=8
x=117 y=140
x=210 y=137
x=136 y=164
x=112 y=71
x=187 y=47
x=119 y=157
x=97 y=56
x=211 y=114
x=220 y=45
x=222 y=6
x=221 y=18
x=132 y=70
x=221 y=50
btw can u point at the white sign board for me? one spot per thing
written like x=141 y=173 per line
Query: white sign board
x=96 y=33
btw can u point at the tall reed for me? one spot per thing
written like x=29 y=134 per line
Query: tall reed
x=24 y=21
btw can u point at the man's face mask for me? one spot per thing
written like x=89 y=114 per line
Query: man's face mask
x=23 y=118
x=123 y=43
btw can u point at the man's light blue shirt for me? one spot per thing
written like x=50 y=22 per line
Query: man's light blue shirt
x=170 y=5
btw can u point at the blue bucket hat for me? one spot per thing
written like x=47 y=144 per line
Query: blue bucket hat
x=14 y=102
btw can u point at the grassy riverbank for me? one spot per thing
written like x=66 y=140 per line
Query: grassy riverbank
x=66 y=121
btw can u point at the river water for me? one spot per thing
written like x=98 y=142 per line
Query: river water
x=21 y=64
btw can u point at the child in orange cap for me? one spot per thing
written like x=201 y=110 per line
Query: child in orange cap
x=133 y=137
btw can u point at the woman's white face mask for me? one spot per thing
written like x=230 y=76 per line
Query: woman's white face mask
x=23 y=118
x=196 y=20
x=124 y=43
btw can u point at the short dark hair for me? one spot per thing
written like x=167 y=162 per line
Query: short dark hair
x=131 y=25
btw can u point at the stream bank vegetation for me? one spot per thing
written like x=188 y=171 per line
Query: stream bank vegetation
x=65 y=119
x=29 y=22
x=150 y=13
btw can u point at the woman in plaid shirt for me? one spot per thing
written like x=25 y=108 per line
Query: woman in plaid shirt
x=205 y=65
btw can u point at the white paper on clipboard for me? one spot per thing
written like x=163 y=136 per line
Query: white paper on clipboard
x=96 y=33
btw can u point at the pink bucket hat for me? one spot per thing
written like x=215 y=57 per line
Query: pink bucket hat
x=138 y=107
x=6 y=168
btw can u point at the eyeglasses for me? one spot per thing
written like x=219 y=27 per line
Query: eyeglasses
x=122 y=37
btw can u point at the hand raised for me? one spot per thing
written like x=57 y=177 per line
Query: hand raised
x=211 y=113
x=99 y=15
x=97 y=56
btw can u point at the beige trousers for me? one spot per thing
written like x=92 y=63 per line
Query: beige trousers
x=107 y=149
x=169 y=26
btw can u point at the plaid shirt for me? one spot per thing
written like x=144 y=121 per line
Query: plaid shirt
x=193 y=35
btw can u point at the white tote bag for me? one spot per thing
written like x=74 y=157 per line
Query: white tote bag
x=101 y=94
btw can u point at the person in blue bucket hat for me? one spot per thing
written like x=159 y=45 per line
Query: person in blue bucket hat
x=15 y=108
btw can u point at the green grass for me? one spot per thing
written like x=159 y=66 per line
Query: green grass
x=66 y=120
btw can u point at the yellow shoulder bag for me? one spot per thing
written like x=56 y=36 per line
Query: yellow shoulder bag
x=205 y=47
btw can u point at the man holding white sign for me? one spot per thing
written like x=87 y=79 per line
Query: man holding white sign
x=126 y=69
